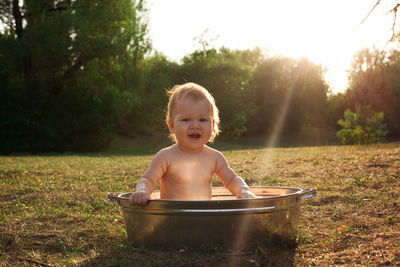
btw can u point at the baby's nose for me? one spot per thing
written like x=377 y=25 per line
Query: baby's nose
x=194 y=125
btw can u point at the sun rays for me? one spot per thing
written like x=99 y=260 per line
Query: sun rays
x=326 y=32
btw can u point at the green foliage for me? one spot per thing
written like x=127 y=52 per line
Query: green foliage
x=292 y=90
x=69 y=72
x=237 y=126
x=226 y=74
x=374 y=82
x=392 y=77
x=360 y=129
x=335 y=109
x=72 y=73
x=157 y=75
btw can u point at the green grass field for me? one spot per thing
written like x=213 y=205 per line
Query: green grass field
x=54 y=208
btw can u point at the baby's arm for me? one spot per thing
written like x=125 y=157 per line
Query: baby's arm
x=149 y=180
x=231 y=180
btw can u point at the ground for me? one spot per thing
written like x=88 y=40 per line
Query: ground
x=54 y=208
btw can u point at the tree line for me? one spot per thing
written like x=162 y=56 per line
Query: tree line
x=73 y=74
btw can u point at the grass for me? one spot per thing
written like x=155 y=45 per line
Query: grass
x=54 y=210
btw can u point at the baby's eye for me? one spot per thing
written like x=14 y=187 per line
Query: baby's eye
x=185 y=119
x=203 y=119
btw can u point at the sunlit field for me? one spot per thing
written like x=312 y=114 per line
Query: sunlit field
x=54 y=210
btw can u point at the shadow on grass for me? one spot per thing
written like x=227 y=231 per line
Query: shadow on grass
x=144 y=146
x=67 y=239
x=260 y=255
x=150 y=144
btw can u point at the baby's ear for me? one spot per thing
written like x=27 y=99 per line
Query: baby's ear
x=171 y=126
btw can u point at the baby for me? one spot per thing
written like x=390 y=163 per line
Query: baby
x=186 y=167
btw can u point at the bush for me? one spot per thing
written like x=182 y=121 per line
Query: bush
x=361 y=129
x=237 y=126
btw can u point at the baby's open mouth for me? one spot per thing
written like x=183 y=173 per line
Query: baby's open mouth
x=196 y=136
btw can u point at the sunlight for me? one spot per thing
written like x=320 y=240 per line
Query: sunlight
x=326 y=32
x=273 y=139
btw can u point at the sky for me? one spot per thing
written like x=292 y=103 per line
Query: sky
x=327 y=32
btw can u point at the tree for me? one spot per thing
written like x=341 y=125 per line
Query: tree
x=393 y=10
x=227 y=74
x=369 y=85
x=144 y=113
x=66 y=67
x=337 y=104
x=367 y=81
x=392 y=77
x=289 y=92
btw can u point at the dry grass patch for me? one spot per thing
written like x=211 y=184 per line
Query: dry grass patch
x=54 y=210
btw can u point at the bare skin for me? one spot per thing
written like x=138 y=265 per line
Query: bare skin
x=185 y=169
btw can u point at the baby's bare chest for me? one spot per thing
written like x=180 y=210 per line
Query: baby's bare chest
x=187 y=171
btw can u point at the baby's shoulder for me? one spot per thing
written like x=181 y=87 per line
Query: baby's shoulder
x=213 y=152
x=164 y=153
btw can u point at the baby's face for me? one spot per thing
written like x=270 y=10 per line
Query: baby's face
x=192 y=123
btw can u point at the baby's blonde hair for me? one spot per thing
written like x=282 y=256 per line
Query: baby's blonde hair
x=195 y=92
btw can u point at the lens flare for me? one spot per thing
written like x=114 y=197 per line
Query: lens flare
x=273 y=139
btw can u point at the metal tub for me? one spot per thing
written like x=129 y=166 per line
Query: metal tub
x=222 y=221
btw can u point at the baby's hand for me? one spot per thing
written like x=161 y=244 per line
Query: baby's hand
x=138 y=198
x=245 y=193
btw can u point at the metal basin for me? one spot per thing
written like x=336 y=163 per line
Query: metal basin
x=222 y=221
